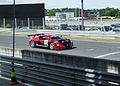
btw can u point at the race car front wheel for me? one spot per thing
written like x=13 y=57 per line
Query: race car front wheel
x=51 y=46
x=32 y=44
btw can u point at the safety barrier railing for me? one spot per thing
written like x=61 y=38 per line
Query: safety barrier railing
x=53 y=74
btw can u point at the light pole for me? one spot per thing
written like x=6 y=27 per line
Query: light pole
x=82 y=27
x=13 y=74
x=13 y=28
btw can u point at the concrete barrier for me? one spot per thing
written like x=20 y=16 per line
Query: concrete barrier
x=9 y=52
x=63 y=59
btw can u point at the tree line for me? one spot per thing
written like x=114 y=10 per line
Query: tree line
x=77 y=11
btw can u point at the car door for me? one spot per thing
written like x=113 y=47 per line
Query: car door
x=41 y=40
x=44 y=41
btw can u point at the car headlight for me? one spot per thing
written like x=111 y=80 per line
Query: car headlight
x=56 y=42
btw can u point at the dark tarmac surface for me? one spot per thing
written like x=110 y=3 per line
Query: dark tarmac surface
x=98 y=50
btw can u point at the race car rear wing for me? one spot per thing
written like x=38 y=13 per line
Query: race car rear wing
x=35 y=34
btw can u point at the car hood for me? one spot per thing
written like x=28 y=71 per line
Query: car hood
x=63 y=40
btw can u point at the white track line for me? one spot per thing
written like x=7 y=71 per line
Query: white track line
x=101 y=56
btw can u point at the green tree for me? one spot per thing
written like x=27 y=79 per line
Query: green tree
x=117 y=14
x=77 y=11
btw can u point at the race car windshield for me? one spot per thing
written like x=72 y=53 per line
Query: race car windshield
x=56 y=38
x=46 y=37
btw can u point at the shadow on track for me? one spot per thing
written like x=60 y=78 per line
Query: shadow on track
x=39 y=47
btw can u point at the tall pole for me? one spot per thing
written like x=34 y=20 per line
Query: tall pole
x=82 y=27
x=3 y=22
x=13 y=80
x=43 y=23
x=28 y=23
x=13 y=28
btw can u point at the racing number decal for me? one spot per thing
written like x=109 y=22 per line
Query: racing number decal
x=46 y=42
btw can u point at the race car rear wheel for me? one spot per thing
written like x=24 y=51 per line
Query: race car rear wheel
x=51 y=46
x=32 y=44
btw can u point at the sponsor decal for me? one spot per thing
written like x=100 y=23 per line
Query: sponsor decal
x=46 y=42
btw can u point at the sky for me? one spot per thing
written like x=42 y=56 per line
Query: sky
x=88 y=4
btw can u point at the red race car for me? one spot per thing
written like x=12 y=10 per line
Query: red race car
x=50 y=41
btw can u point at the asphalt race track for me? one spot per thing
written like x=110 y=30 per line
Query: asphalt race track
x=99 y=50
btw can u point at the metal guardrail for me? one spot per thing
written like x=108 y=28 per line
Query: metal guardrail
x=96 y=34
x=52 y=74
